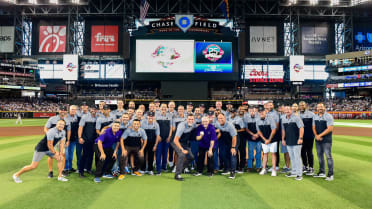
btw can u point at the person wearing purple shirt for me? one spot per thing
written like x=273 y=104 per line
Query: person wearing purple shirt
x=104 y=151
x=206 y=135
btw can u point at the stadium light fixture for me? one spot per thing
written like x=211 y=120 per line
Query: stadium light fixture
x=292 y=2
x=358 y=2
x=335 y=2
x=313 y=2
x=11 y=1
x=76 y=1
x=32 y=1
x=53 y=1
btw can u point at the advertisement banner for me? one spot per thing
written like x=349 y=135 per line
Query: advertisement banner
x=43 y=114
x=262 y=39
x=70 y=67
x=264 y=73
x=362 y=36
x=105 y=38
x=314 y=40
x=52 y=39
x=351 y=115
x=6 y=39
x=296 y=70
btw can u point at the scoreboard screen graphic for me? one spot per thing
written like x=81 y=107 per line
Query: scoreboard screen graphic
x=213 y=57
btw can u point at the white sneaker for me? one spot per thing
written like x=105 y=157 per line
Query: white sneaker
x=63 y=179
x=329 y=178
x=16 y=179
x=141 y=172
x=174 y=169
x=263 y=171
x=273 y=173
x=187 y=170
x=225 y=173
x=271 y=169
x=170 y=164
x=151 y=173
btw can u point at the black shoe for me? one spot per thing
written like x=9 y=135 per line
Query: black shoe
x=179 y=178
x=81 y=175
x=50 y=174
x=90 y=172
x=72 y=170
x=65 y=173
x=232 y=175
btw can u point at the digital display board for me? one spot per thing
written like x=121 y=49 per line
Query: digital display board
x=164 y=56
x=264 y=73
x=213 y=57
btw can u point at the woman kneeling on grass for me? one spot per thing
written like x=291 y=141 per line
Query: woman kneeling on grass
x=46 y=147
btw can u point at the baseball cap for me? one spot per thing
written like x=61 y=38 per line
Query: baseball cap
x=189 y=103
x=261 y=109
x=210 y=113
x=232 y=110
x=151 y=114
x=156 y=101
x=62 y=108
x=229 y=102
x=84 y=104
x=201 y=105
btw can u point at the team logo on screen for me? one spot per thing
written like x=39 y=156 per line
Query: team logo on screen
x=52 y=38
x=297 y=68
x=213 y=52
x=369 y=37
x=165 y=56
x=70 y=67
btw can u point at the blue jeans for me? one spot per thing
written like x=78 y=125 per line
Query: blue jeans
x=115 y=168
x=228 y=159
x=161 y=155
x=222 y=154
x=194 y=150
x=254 y=145
x=321 y=149
x=79 y=153
x=69 y=152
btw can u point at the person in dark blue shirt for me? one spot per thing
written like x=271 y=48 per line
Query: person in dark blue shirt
x=323 y=128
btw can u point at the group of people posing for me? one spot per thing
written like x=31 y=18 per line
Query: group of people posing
x=134 y=141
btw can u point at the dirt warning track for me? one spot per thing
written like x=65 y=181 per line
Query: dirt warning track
x=21 y=131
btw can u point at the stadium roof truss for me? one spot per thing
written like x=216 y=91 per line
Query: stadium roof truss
x=241 y=11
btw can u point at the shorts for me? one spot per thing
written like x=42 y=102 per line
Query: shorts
x=272 y=147
x=283 y=149
x=39 y=155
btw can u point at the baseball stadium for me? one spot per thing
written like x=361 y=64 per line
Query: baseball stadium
x=192 y=104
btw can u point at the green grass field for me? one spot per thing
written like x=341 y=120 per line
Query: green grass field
x=350 y=189
x=26 y=122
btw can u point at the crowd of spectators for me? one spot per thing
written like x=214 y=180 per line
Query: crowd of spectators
x=348 y=105
x=35 y=105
